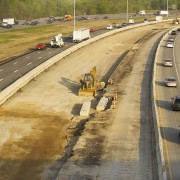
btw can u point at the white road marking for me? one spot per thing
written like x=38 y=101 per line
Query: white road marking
x=38 y=52
x=16 y=71
x=50 y=52
x=29 y=63
x=27 y=57
x=15 y=62
x=1 y=80
x=39 y=57
x=1 y=69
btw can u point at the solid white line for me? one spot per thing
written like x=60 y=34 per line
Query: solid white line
x=175 y=63
x=1 y=69
x=15 y=62
x=39 y=57
x=29 y=63
x=1 y=80
x=16 y=71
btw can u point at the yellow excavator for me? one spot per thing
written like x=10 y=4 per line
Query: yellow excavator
x=176 y=21
x=89 y=85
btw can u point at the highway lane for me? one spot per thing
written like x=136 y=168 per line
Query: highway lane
x=17 y=67
x=170 y=120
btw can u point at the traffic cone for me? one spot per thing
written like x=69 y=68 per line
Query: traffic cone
x=113 y=104
x=116 y=97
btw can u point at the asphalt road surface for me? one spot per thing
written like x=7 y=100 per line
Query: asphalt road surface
x=170 y=120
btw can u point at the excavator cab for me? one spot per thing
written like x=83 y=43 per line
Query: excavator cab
x=89 y=84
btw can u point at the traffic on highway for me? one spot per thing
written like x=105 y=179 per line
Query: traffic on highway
x=168 y=101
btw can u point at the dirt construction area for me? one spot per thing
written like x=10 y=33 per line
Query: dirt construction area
x=42 y=135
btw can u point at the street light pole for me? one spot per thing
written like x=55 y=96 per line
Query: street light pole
x=127 y=12
x=74 y=14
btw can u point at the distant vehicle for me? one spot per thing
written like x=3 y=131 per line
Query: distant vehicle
x=169 y=45
x=146 y=20
x=176 y=103
x=57 y=41
x=68 y=17
x=173 y=32
x=51 y=18
x=92 y=30
x=9 y=21
x=162 y=13
x=33 y=23
x=109 y=26
x=105 y=17
x=49 y=21
x=41 y=46
x=6 y=25
x=118 y=25
x=131 y=21
x=178 y=29
x=81 y=35
x=25 y=23
x=167 y=62
x=142 y=12
x=171 y=39
x=159 y=18
x=16 y=22
x=124 y=24
x=170 y=82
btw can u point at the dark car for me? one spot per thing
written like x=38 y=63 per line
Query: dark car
x=16 y=22
x=33 y=23
x=41 y=46
x=176 y=103
x=178 y=29
x=105 y=17
x=124 y=24
x=49 y=21
x=173 y=32
x=25 y=23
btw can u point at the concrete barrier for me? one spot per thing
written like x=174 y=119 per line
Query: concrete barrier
x=85 y=109
x=102 y=104
x=13 y=88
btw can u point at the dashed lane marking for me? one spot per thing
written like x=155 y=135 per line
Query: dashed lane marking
x=16 y=71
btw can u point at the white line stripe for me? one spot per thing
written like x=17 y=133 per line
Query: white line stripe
x=15 y=62
x=1 y=80
x=39 y=57
x=27 y=57
x=1 y=69
x=50 y=52
x=175 y=63
x=29 y=63
x=16 y=71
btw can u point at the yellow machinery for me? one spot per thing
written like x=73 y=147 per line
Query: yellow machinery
x=176 y=21
x=89 y=84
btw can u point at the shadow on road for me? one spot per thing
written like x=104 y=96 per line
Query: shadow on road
x=164 y=104
x=170 y=134
x=73 y=86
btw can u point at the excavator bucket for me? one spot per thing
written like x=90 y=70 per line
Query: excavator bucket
x=86 y=92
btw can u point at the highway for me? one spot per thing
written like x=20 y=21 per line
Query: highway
x=19 y=66
x=169 y=120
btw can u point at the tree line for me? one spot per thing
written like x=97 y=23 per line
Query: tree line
x=23 y=9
